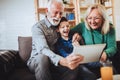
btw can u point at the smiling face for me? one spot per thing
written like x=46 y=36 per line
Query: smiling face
x=94 y=19
x=55 y=12
x=64 y=29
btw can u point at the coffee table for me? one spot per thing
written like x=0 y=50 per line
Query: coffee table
x=115 y=77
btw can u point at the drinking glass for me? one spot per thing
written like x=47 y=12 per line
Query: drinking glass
x=106 y=71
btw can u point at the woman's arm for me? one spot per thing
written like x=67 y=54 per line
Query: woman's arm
x=111 y=43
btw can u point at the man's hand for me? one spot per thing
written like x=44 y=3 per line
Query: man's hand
x=72 y=61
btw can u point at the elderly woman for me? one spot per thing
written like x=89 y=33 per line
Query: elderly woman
x=96 y=29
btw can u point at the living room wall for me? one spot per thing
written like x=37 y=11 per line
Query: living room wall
x=18 y=16
x=117 y=18
x=16 y=19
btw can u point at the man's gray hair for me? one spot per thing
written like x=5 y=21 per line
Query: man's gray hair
x=52 y=1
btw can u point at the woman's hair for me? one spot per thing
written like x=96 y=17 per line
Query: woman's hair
x=105 y=26
x=50 y=3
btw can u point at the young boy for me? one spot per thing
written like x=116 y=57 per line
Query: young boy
x=64 y=45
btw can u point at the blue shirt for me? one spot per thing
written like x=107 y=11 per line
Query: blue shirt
x=64 y=47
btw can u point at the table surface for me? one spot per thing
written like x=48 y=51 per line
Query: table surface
x=115 y=77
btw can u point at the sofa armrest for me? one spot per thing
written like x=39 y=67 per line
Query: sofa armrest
x=7 y=61
x=19 y=63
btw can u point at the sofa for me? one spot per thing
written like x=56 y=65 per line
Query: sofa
x=13 y=62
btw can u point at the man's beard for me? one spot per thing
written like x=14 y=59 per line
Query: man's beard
x=54 y=21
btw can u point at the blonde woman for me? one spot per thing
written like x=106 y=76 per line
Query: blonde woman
x=96 y=29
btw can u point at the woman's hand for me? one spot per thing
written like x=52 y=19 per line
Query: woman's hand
x=103 y=57
x=75 y=43
x=76 y=37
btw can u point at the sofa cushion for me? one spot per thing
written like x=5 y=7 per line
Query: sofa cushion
x=25 y=47
x=21 y=74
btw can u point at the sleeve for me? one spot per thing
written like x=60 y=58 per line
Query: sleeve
x=76 y=29
x=41 y=46
x=111 y=43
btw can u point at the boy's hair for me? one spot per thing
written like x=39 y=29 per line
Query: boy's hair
x=62 y=20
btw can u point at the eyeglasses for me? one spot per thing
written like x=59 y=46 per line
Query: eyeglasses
x=94 y=18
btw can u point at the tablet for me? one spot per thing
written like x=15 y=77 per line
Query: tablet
x=91 y=53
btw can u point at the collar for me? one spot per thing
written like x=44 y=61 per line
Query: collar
x=69 y=39
x=47 y=22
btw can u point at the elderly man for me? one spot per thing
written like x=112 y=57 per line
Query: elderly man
x=44 y=36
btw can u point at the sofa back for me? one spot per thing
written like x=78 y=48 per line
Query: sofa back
x=25 y=47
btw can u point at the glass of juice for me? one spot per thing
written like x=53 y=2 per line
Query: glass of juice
x=106 y=71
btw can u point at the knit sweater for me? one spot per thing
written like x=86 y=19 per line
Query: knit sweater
x=96 y=37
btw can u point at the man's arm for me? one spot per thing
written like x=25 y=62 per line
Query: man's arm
x=41 y=46
x=72 y=61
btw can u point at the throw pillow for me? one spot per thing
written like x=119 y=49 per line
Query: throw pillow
x=25 y=47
